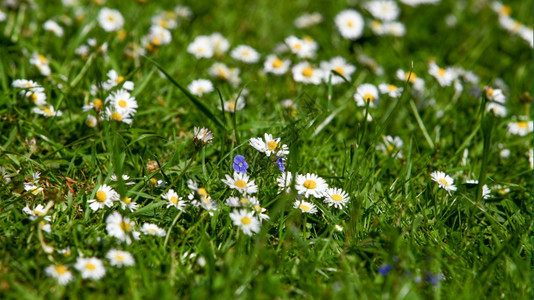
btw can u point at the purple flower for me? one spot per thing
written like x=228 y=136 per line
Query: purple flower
x=240 y=165
x=280 y=164
x=384 y=269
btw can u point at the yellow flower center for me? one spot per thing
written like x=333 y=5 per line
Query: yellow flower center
x=156 y=41
x=97 y=103
x=222 y=74
x=243 y=200
x=272 y=145
x=390 y=148
x=116 y=116
x=101 y=196
x=245 y=53
x=441 y=72
x=277 y=63
x=61 y=269
x=43 y=59
x=310 y=184
x=297 y=46
x=34 y=97
x=90 y=266
x=202 y=191
x=523 y=125
x=307 y=72
x=240 y=183
x=339 y=70
x=505 y=10
x=125 y=226
x=90 y=123
x=231 y=106
x=304 y=207
x=127 y=200
x=174 y=200
x=350 y=23
x=121 y=34
x=246 y=220
x=119 y=257
x=163 y=23
x=122 y=103
x=337 y=197
x=120 y=79
x=410 y=77
x=368 y=97
x=111 y=18
x=48 y=112
x=391 y=87
x=444 y=182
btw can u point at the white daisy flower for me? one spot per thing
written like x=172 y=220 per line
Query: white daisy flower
x=97 y=105
x=200 y=87
x=158 y=35
x=53 y=27
x=172 y=197
x=91 y=121
x=445 y=77
x=38 y=97
x=521 y=127
x=41 y=63
x=391 y=145
x=115 y=79
x=350 y=24
x=242 y=202
x=240 y=182
x=445 y=181
x=308 y=19
x=219 y=71
x=305 y=207
x=127 y=203
x=367 y=92
x=120 y=258
x=300 y=47
x=498 y=109
x=201 y=47
x=336 y=197
x=47 y=111
x=310 y=184
x=165 y=20
x=411 y=77
x=340 y=65
x=183 y=12
x=260 y=212
x=105 y=195
x=234 y=105
x=304 y=72
x=91 y=267
x=27 y=84
x=495 y=95
x=246 y=220
x=110 y=19
x=285 y=180
x=219 y=43
x=390 y=89
x=152 y=229
x=275 y=65
x=384 y=10
x=269 y=146
x=419 y=2
x=121 y=228
x=202 y=135
x=113 y=114
x=122 y=102
x=245 y=54
x=59 y=272
x=394 y=28
x=36 y=212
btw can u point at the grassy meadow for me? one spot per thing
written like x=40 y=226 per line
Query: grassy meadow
x=400 y=170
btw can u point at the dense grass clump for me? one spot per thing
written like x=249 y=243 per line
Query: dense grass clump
x=266 y=149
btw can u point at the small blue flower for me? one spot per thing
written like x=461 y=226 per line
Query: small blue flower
x=280 y=164
x=384 y=269
x=240 y=165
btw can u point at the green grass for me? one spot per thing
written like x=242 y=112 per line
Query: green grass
x=481 y=248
